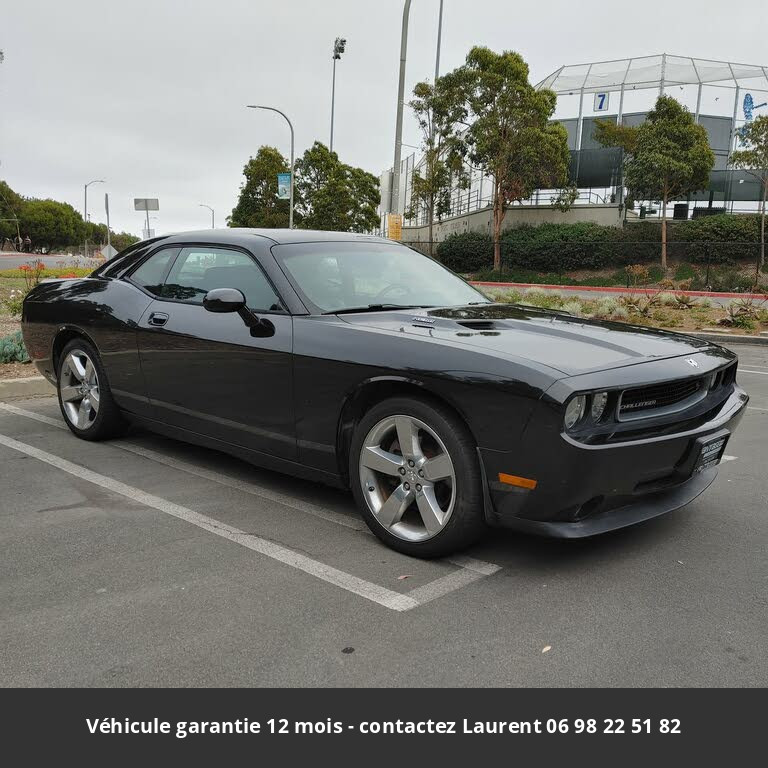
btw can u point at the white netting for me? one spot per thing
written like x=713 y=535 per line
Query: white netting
x=650 y=71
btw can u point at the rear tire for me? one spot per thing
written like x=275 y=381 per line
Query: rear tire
x=85 y=398
x=424 y=499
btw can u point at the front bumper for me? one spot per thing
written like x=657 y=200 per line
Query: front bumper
x=582 y=490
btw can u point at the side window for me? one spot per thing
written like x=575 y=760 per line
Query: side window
x=200 y=269
x=151 y=273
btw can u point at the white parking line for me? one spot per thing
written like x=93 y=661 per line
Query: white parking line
x=755 y=408
x=471 y=568
x=242 y=485
x=33 y=415
x=759 y=373
x=377 y=594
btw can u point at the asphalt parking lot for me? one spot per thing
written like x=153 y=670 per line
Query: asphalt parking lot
x=149 y=562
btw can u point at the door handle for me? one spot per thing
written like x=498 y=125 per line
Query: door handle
x=158 y=318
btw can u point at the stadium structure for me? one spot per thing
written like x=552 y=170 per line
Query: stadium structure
x=722 y=96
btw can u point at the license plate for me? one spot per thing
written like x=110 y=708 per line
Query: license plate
x=710 y=453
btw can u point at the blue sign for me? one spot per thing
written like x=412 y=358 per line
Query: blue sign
x=283 y=186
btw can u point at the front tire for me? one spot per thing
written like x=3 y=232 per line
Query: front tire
x=415 y=477
x=85 y=398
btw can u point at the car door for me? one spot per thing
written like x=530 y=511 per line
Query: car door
x=206 y=372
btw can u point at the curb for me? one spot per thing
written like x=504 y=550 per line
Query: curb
x=728 y=338
x=29 y=387
x=618 y=289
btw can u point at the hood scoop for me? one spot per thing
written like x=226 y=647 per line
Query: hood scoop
x=481 y=325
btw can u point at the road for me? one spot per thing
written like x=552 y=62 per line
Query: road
x=12 y=260
x=149 y=562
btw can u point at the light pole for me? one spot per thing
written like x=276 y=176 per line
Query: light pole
x=290 y=125
x=401 y=95
x=399 y=120
x=85 y=210
x=338 y=48
x=213 y=221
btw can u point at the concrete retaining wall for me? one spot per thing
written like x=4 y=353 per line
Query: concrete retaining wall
x=517 y=216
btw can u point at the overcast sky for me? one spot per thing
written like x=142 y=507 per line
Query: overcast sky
x=150 y=94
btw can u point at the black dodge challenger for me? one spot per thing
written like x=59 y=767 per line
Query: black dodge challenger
x=356 y=361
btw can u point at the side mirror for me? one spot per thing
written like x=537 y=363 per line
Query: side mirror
x=232 y=300
x=224 y=300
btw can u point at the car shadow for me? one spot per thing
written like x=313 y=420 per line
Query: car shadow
x=507 y=548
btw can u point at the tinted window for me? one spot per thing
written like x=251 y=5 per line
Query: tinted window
x=151 y=273
x=346 y=275
x=200 y=269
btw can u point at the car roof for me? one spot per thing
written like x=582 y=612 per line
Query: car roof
x=242 y=235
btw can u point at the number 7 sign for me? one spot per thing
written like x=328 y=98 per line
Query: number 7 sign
x=601 y=102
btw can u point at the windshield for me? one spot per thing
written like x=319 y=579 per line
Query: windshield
x=333 y=277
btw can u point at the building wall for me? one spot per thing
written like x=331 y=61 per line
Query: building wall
x=517 y=216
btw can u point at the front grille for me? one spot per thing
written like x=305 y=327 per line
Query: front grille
x=656 y=397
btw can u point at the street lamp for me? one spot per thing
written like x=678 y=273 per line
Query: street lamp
x=338 y=48
x=213 y=221
x=290 y=125
x=85 y=209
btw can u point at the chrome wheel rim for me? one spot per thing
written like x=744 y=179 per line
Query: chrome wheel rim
x=79 y=389
x=407 y=478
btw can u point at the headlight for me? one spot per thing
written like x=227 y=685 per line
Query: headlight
x=599 y=400
x=574 y=411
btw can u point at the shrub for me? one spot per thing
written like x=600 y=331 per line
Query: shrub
x=620 y=313
x=466 y=252
x=667 y=299
x=744 y=322
x=12 y=349
x=606 y=307
x=558 y=248
x=15 y=301
x=573 y=308
x=685 y=272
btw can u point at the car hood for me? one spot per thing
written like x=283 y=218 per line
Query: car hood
x=560 y=341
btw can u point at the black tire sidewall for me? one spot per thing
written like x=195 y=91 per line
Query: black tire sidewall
x=107 y=418
x=467 y=520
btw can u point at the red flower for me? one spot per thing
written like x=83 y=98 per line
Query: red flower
x=25 y=267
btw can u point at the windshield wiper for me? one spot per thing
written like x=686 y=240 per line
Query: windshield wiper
x=375 y=308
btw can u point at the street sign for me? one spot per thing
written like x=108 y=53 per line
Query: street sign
x=108 y=251
x=394 y=226
x=147 y=233
x=146 y=204
x=601 y=102
x=283 y=186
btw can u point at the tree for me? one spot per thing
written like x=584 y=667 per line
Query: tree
x=51 y=224
x=10 y=210
x=666 y=158
x=510 y=137
x=616 y=135
x=258 y=205
x=439 y=111
x=121 y=240
x=754 y=159
x=334 y=196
